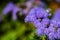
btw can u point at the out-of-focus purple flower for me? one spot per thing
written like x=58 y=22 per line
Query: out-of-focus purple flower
x=34 y=15
x=51 y=36
x=56 y=15
x=11 y=7
x=31 y=16
x=40 y=31
x=37 y=12
x=52 y=29
x=56 y=18
x=45 y=22
x=14 y=13
x=37 y=23
x=58 y=33
x=41 y=13
x=8 y=8
x=46 y=31
x=58 y=30
x=54 y=23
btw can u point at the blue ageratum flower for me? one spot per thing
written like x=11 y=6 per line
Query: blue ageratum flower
x=52 y=29
x=54 y=23
x=56 y=15
x=31 y=16
x=37 y=23
x=40 y=31
x=51 y=36
x=35 y=13
x=54 y=35
x=15 y=10
x=41 y=23
x=41 y=13
x=58 y=33
x=45 y=22
x=11 y=7
x=34 y=16
x=56 y=18
x=46 y=31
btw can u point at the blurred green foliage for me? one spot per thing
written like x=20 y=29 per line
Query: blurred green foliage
x=17 y=29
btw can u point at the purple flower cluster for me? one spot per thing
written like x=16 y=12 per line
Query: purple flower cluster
x=45 y=26
x=11 y=7
x=14 y=8
x=36 y=13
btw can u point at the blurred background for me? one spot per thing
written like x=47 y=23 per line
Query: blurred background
x=18 y=29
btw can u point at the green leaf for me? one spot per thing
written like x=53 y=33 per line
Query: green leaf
x=9 y=36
